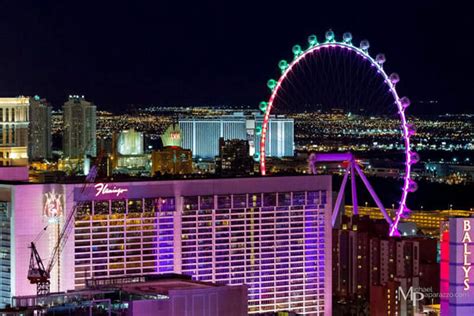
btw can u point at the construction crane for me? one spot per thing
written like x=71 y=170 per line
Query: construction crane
x=38 y=273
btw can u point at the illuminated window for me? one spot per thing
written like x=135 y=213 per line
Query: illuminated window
x=118 y=206
x=255 y=200
x=299 y=198
x=269 y=199
x=284 y=199
x=135 y=206
x=84 y=210
x=224 y=202
x=101 y=207
x=239 y=201
x=190 y=202
x=207 y=202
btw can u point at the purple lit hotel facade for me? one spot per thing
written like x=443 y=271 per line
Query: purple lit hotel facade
x=271 y=233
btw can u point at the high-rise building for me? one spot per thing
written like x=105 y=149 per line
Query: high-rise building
x=14 y=131
x=5 y=246
x=271 y=233
x=128 y=155
x=172 y=136
x=352 y=251
x=234 y=158
x=39 y=133
x=385 y=299
x=79 y=132
x=201 y=134
x=172 y=159
x=368 y=266
x=280 y=136
x=130 y=142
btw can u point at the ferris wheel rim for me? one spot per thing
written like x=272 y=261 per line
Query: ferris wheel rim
x=406 y=128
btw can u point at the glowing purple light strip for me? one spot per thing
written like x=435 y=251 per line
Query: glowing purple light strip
x=406 y=178
x=355 y=209
x=335 y=212
x=373 y=194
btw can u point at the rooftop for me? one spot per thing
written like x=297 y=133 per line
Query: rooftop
x=147 y=284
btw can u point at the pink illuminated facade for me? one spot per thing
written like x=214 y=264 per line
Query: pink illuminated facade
x=272 y=234
x=457 y=272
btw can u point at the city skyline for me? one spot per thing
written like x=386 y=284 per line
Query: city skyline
x=176 y=56
x=221 y=158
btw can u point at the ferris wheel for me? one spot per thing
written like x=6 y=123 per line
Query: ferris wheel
x=334 y=74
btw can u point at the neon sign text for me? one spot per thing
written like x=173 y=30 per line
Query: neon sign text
x=467 y=266
x=103 y=188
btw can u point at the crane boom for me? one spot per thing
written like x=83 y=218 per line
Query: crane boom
x=39 y=274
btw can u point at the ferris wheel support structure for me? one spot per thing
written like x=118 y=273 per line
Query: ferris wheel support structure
x=352 y=170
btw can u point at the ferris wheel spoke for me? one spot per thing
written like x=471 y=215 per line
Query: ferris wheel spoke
x=358 y=103
x=340 y=195
x=355 y=208
x=373 y=194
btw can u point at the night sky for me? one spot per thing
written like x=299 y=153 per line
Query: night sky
x=223 y=52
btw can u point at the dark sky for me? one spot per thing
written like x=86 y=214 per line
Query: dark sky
x=223 y=52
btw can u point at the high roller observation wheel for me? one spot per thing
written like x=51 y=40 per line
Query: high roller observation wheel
x=402 y=103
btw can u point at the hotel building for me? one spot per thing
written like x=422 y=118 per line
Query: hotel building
x=172 y=159
x=201 y=135
x=271 y=233
x=14 y=131
x=39 y=134
x=129 y=156
x=79 y=132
